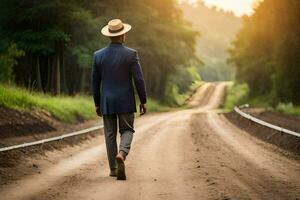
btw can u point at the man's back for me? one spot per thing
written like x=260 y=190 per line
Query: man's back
x=114 y=68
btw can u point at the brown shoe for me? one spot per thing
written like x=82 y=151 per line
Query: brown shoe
x=113 y=172
x=121 y=167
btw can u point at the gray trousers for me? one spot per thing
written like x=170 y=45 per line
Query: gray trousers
x=110 y=131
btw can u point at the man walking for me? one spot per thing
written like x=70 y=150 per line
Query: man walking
x=114 y=68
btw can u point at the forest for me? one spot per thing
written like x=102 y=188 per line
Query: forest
x=47 y=46
x=218 y=28
x=266 y=51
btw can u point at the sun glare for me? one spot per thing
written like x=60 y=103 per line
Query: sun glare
x=239 y=7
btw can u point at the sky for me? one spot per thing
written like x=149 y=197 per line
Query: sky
x=239 y=7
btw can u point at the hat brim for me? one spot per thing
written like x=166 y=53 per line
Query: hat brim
x=105 y=31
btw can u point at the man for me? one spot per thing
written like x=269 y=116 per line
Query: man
x=115 y=68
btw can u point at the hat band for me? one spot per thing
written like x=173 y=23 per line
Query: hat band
x=116 y=31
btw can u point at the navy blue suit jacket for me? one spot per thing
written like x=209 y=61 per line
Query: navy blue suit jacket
x=115 y=68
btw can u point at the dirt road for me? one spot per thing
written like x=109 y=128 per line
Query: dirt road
x=188 y=154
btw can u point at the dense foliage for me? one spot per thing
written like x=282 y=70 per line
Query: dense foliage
x=7 y=61
x=266 y=51
x=56 y=40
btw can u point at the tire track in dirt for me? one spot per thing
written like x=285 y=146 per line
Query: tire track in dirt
x=238 y=166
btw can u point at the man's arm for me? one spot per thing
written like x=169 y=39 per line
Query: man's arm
x=139 y=82
x=96 y=84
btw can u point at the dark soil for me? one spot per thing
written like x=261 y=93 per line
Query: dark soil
x=17 y=127
x=282 y=140
x=18 y=123
x=17 y=163
x=280 y=119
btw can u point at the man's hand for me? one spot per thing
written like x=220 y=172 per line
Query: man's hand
x=143 y=109
x=98 y=111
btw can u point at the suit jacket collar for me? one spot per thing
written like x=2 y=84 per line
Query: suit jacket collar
x=115 y=44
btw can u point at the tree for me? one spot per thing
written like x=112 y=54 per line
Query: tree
x=266 y=51
x=59 y=38
x=7 y=61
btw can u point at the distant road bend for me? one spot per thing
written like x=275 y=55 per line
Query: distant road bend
x=189 y=154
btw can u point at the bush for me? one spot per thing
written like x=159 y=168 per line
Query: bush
x=181 y=85
x=236 y=94
x=288 y=108
x=7 y=61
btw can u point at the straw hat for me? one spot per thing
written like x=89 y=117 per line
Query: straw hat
x=115 y=27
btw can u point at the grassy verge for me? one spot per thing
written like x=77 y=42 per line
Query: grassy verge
x=176 y=102
x=237 y=94
x=155 y=106
x=66 y=109
x=176 y=99
x=288 y=108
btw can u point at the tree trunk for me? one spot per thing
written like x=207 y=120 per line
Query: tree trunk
x=58 y=85
x=55 y=76
x=83 y=80
x=49 y=71
x=53 y=82
x=38 y=74
x=157 y=86
x=64 y=88
x=163 y=83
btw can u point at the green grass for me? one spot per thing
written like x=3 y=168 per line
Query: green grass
x=261 y=102
x=236 y=94
x=155 y=106
x=288 y=108
x=66 y=109
x=177 y=100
